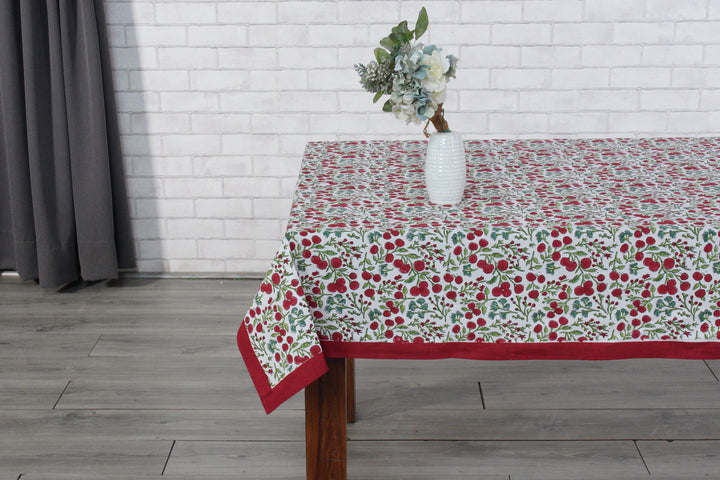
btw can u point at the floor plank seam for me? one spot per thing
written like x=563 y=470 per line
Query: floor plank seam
x=96 y=343
x=637 y=447
x=482 y=397
x=712 y=372
x=167 y=460
x=61 y=394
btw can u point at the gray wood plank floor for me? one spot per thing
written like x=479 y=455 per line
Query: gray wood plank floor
x=141 y=379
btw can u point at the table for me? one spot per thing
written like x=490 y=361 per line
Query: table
x=561 y=249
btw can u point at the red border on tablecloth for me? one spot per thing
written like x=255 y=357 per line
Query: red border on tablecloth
x=271 y=398
x=525 y=351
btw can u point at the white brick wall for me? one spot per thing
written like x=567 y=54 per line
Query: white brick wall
x=217 y=98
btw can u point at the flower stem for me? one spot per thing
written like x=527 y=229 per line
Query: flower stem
x=438 y=121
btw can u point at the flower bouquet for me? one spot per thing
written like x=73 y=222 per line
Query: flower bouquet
x=415 y=76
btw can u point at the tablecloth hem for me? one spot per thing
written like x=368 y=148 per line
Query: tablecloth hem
x=525 y=351
x=273 y=397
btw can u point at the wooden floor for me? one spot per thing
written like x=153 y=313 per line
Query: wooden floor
x=141 y=379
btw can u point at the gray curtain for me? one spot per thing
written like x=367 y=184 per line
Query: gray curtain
x=63 y=203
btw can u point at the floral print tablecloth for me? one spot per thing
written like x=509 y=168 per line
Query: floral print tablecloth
x=606 y=248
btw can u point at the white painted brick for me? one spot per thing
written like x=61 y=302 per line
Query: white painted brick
x=672 y=54
x=580 y=77
x=137 y=101
x=550 y=56
x=164 y=208
x=267 y=248
x=156 y=35
x=124 y=126
x=470 y=79
x=577 y=122
x=344 y=79
x=636 y=32
x=131 y=13
x=185 y=12
x=469 y=124
x=199 y=266
x=247 y=228
x=582 y=33
x=193 y=187
x=223 y=207
x=116 y=36
x=120 y=79
x=295 y=144
x=194 y=228
x=133 y=57
x=271 y=207
x=222 y=166
x=277 y=166
x=520 y=33
x=140 y=144
x=692 y=122
x=253 y=267
x=145 y=229
x=141 y=187
x=338 y=123
x=520 y=78
x=307 y=57
x=307 y=12
x=263 y=80
x=247 y=12
x=189 y=101
x=160 y=123
x=161 y=249
x=248 y=101
x=250 y=144
x=281 y=122
x=489 y=56
x=705 y=32
x=311 y=101
x=162 y=166
x=349 y=56
x=356 y=101
x=292 y=80
x=696 y=77
x=614 y=9
x=187 y=57
x=287 y=186
x=674 y=10
x=159 y=80
x=220 y=122
x=669 y=99
x=248 y=57
x=252 y=187
x=191 y=144
x=712 y=55
x=714 y=9
x=640 y=77
x=217 y=35
x=710 y=100
x=366 y=12
x=608 y=100
x=553 y=10
x=225 y=248
x=219 y=79
x=278 y=35
x=470 y=34
x=548 y=101
x=645 y=122
x=323 y=35
x=517 y=122
x=611 y=55
x=491 y=11
x=438 y=11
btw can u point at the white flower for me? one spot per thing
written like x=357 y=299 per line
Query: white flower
x=438 y=64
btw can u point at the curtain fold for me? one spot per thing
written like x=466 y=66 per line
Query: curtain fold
x=63 y=206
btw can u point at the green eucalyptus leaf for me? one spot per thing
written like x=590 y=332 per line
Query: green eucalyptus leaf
x=422 y=23
x=387 y=107
x=381 y=54
x=388 y=43
x=377 y=97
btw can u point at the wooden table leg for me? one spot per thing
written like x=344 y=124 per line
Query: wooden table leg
x=350 y=379
x=325 y=419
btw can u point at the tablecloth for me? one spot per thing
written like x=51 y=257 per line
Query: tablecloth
x=562 y=248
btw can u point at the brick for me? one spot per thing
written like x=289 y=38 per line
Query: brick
x=222 y=249
x=661 y=32
x=222 y=166
x=582 y=33
x=251 y=187
x=137 y=101
x=520 y=78
x=613 y=10
x=139 y=187
x=152 y=228
x=291 y=144
x=438 y=11
x=189 y=101
x=710 y=100
x=608 y=100
x=611 y=55
x=584 y=122
x=292 y=80
x=469 y=34
x=469 y=123
x=470 y=79
x=365 y=12
x=673 y=55
x=217 y=35
x=162 y=166
x=674 y=10
x=548 y=101
x=637 y=122
x=344 y=79
x=263 y=80
x=156 y=35
x=491 y=11
x=553 y=10
x=580 y=77
x=220 y=122
x=669 y=99
x=489 y=56
x=248 y=101
x=287 y=186
x=267 y=248
x=706 y=32
x=521 y=33
x=550 y=56
x=696 y=77
x=307 y=12
x=714 y=9
x=281 y=122
x=196 y=265
x=185 y=12
x=130 y=13
x=249 y=144
x=133 y=57
x=247 y=12
x=187 y=57
x=338 y=123
x=640 y=77
x=161 y=249
x=247 y=57
x=219 y=79
x=517 y=122
x=250 y=267
x=160 y=123
x=324 y=35
x=249 y=228
x=356 y=101
x=271 y=207
x=315 y=101
x=712 y=54
x=140 y=144
x=693 y=122
x=278 y=35
x=193 y=187
x=277 y=166
x=307 y=57
x=159 y=80
x=223 y=208
x=164 y=208
x=349 y=56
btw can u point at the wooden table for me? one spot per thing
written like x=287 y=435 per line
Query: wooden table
x=561 y=249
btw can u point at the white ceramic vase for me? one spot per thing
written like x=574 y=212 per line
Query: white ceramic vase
x=445 y=173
